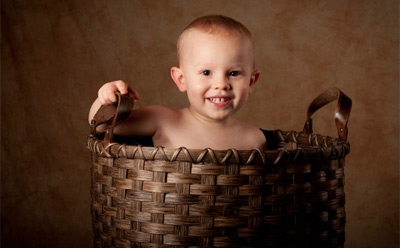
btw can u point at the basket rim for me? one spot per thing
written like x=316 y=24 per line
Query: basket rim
x=309 y=147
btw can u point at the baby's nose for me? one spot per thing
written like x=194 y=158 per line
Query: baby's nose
x=222 y=83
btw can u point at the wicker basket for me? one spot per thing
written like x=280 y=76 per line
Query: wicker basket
x=291 y=195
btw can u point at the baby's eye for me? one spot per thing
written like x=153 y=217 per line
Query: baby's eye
x=206 y=72
x=234 y=73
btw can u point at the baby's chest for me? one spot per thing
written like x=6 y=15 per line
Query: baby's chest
x=219 y=140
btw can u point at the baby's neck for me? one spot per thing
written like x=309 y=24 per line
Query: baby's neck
x=208 y=122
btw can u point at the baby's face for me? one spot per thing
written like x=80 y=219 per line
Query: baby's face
x=217 y=72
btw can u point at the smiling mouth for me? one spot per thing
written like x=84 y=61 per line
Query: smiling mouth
x=219 y=99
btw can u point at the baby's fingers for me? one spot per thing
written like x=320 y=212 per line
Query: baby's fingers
x=106 y=94
x=110 y=96
x=122 y=87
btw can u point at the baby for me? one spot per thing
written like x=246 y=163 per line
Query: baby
x=216 y=69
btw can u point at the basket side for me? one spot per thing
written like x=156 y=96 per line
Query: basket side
x=289 y=197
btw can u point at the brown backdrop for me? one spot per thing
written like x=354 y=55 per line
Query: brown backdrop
x=56 y=54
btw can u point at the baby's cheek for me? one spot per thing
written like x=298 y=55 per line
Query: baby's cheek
x=242 y=99
x=198 y=87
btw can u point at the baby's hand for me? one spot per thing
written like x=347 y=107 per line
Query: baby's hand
x=106 y=94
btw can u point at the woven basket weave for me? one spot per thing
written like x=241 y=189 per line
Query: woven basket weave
x=288 y=196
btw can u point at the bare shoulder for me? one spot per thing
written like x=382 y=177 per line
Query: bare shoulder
x=252 y=135
x=157 y=113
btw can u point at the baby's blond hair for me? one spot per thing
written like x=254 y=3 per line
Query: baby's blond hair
x=215 y=24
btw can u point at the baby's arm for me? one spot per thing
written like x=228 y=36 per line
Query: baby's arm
x=141 y=122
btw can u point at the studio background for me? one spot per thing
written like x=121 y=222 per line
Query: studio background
x=56 y=54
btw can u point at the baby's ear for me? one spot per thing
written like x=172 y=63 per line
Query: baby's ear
x=177 y=76
x=254 y=77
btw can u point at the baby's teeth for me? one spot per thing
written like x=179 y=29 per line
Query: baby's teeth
x=218 y=100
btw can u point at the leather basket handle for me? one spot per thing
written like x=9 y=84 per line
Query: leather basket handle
x=112 y=115
x=342 y=111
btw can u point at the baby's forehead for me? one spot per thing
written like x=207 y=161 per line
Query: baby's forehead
x=196 y=37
